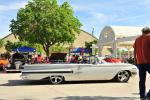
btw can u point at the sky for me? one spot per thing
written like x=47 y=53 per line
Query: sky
x=92 y=13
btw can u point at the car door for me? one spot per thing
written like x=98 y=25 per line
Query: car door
x=89 y=71
x=96 y=71
x=105 y=71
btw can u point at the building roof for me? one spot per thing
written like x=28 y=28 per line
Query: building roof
x=80 y=29
x=89 y=34
x=123 y=31
x=79 y=41
x=116 y=36
x=126 y=30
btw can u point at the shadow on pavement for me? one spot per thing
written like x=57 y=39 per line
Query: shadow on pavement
x=24 y=82
x=79 y=98
x=89 y=82
x=95 y=98
x=46 y=82
x=1 y=71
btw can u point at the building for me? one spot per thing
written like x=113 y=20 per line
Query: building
x=117 y=37
x=9 y=37
x=79 y=41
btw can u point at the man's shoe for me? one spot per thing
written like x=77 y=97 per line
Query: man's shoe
x=147 y=98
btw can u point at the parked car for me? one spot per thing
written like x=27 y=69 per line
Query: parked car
x=3 y=63
x=95 y=69
x=113 y=60
x=17 y=60
x=57 y=58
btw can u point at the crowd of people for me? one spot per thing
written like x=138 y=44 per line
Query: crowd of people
x=36 y=59
x=76 y=59
x=67 y=59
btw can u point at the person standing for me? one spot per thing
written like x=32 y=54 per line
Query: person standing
x=142 y=60
x=39 y=59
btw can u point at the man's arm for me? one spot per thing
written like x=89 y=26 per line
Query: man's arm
x=135 y=60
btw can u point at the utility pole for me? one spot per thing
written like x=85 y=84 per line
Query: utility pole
x=92 y=31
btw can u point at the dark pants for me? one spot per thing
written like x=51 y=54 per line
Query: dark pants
x=143 y=68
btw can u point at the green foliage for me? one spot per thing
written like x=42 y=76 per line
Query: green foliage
x=58 y=48
x=88 y=45
x=122 y=52
x=110 y=50
x=9 y=46
x=46 y=23
x=1 y=43
x=38 y=47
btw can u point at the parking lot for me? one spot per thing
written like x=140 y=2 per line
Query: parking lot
x=12 y=87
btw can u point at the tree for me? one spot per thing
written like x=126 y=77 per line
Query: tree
x=58 y=49
x=38 y=47
x=88 y=45
x=46 y=23
x=1 y=43
x=9 y=46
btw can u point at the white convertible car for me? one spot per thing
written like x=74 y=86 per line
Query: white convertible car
x=96 y=69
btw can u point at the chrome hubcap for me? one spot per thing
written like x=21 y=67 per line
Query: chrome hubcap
x=123 y=76
x=56 y=79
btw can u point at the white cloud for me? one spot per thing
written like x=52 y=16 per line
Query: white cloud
x=12 y=6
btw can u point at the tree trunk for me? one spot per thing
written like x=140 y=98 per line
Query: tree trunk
x=46 y=49
x=47 y=52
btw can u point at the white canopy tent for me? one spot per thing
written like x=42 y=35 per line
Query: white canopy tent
x=116 y=36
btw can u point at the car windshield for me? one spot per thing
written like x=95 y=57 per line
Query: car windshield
x=96 y=60
x=101 y=60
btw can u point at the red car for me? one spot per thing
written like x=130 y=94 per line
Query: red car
x=3 y=63
x=113 y=60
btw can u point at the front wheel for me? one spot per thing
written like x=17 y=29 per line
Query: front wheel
x=56 y=79
x=123 y=76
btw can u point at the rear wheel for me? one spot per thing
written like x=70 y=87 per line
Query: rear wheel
x=56 y=79
x=123 y=76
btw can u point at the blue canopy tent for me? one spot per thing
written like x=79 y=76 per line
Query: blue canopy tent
x=24 y=49
x=80 y=50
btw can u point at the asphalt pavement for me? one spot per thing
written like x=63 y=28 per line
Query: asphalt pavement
x=12 y=87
